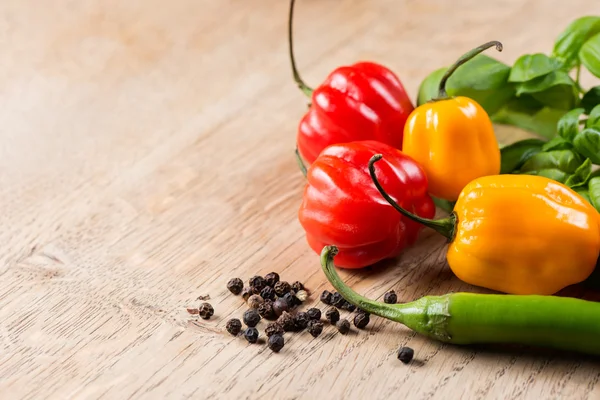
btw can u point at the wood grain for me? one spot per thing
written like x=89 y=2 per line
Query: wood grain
x=146 y=158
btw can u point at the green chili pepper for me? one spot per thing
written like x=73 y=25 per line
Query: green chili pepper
x=468 y=318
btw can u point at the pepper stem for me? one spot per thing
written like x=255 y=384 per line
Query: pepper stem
x=463 y=59
x=445 y=226
x=303 y=86
x=300 y=162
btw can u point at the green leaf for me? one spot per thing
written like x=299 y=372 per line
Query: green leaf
x=429 y=88
x=593 y=118
x=442 y=204
x=514 y=155
x=590 y=55
x=591 y=99
x=566 y=161
x=568 y=125
x=594 y=192
x=531 y=66
x=542 y=122
x=581 y=175
x=587 y=143
x=569 y=42
x=552 y=173
x=583 y=191
x=555 y=90
x=557 y=143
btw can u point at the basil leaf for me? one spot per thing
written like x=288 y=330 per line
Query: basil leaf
x=566 y=161
x=542 y=122
x=593 y=118
x=568 y=125
x=584 y=192
x=591 y=99
x=556 y=90
x=590 y=55
x=569 y=42
x=552 y=173
x=587 y=142
x=594 y=192
x=514 y=155
x=557 y=143
x=531 y=66
x=430 y=86
x=581 y=175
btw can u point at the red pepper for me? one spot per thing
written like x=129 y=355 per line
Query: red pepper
x=364 y=101
x=342 y=206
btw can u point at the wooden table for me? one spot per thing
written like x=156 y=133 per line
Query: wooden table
x=146 y=157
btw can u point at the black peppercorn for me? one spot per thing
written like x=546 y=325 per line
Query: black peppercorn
x=315 y=327
x=314 y=313
x=348 y=306
x=265 y=310
x=206 y=311
x=272 y=278
x=267 y=293
x=279 y=306
x=326 y=297
x=257 y=282
x=332 y=315
x=390 y=297
x=251 y=318
x=297 y=286
x=405 y=354
x=281 y=288
x=251 y=335
x=337 y=300
x=274 y=328
x=361 y=320
x=235 y=286
x=301 y=320
x=276 y=342
x=234 y=326
x=246 y=293
x=343 y=326
x=290 y=299
x=254 y=301
x=286 y=321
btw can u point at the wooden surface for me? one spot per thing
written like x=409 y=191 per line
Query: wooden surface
x=146 y=158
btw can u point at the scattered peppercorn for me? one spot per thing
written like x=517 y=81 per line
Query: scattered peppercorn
x=246 y=293
x=326 y=297
x=390 y=297
x=274 y=328
x=315 y=327
x=276 y=342
x=301 y=320
x=314 y=313
x=265 y=310
x=290 y=299
x=405 y=354
x=361 y=320
x=279 y=306
x=272 y=278
x=361 y=311
x=337 y=300
x=251 y=318
x=206 y=310
x=281 y=288
x=267 y=293
x=302 y=295
x=257 y=283
x=348 y=306
x=251 y=335
x=343 y=326
x=332 y=315
x=235 y=286
x=254 y=301
x=286 y=320
x=234 y=326
x=297 y=286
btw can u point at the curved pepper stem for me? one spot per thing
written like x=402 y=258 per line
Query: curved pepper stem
x=300 y=162
x=463 y=59
x=303 y=86
x=444 y=226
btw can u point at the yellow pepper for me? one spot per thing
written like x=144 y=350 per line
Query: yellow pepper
x=452 y=138
x=518 y=234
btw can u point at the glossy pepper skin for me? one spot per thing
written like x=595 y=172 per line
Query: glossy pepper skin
x=362 y=101
x=452 y=138
x=341 y=205
x=520 y=234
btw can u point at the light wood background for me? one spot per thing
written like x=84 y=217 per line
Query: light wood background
x=146 y=157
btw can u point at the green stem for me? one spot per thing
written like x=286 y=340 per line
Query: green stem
x=444 y=226
x=463 y=59
x=300 y=163
x=303 y=86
